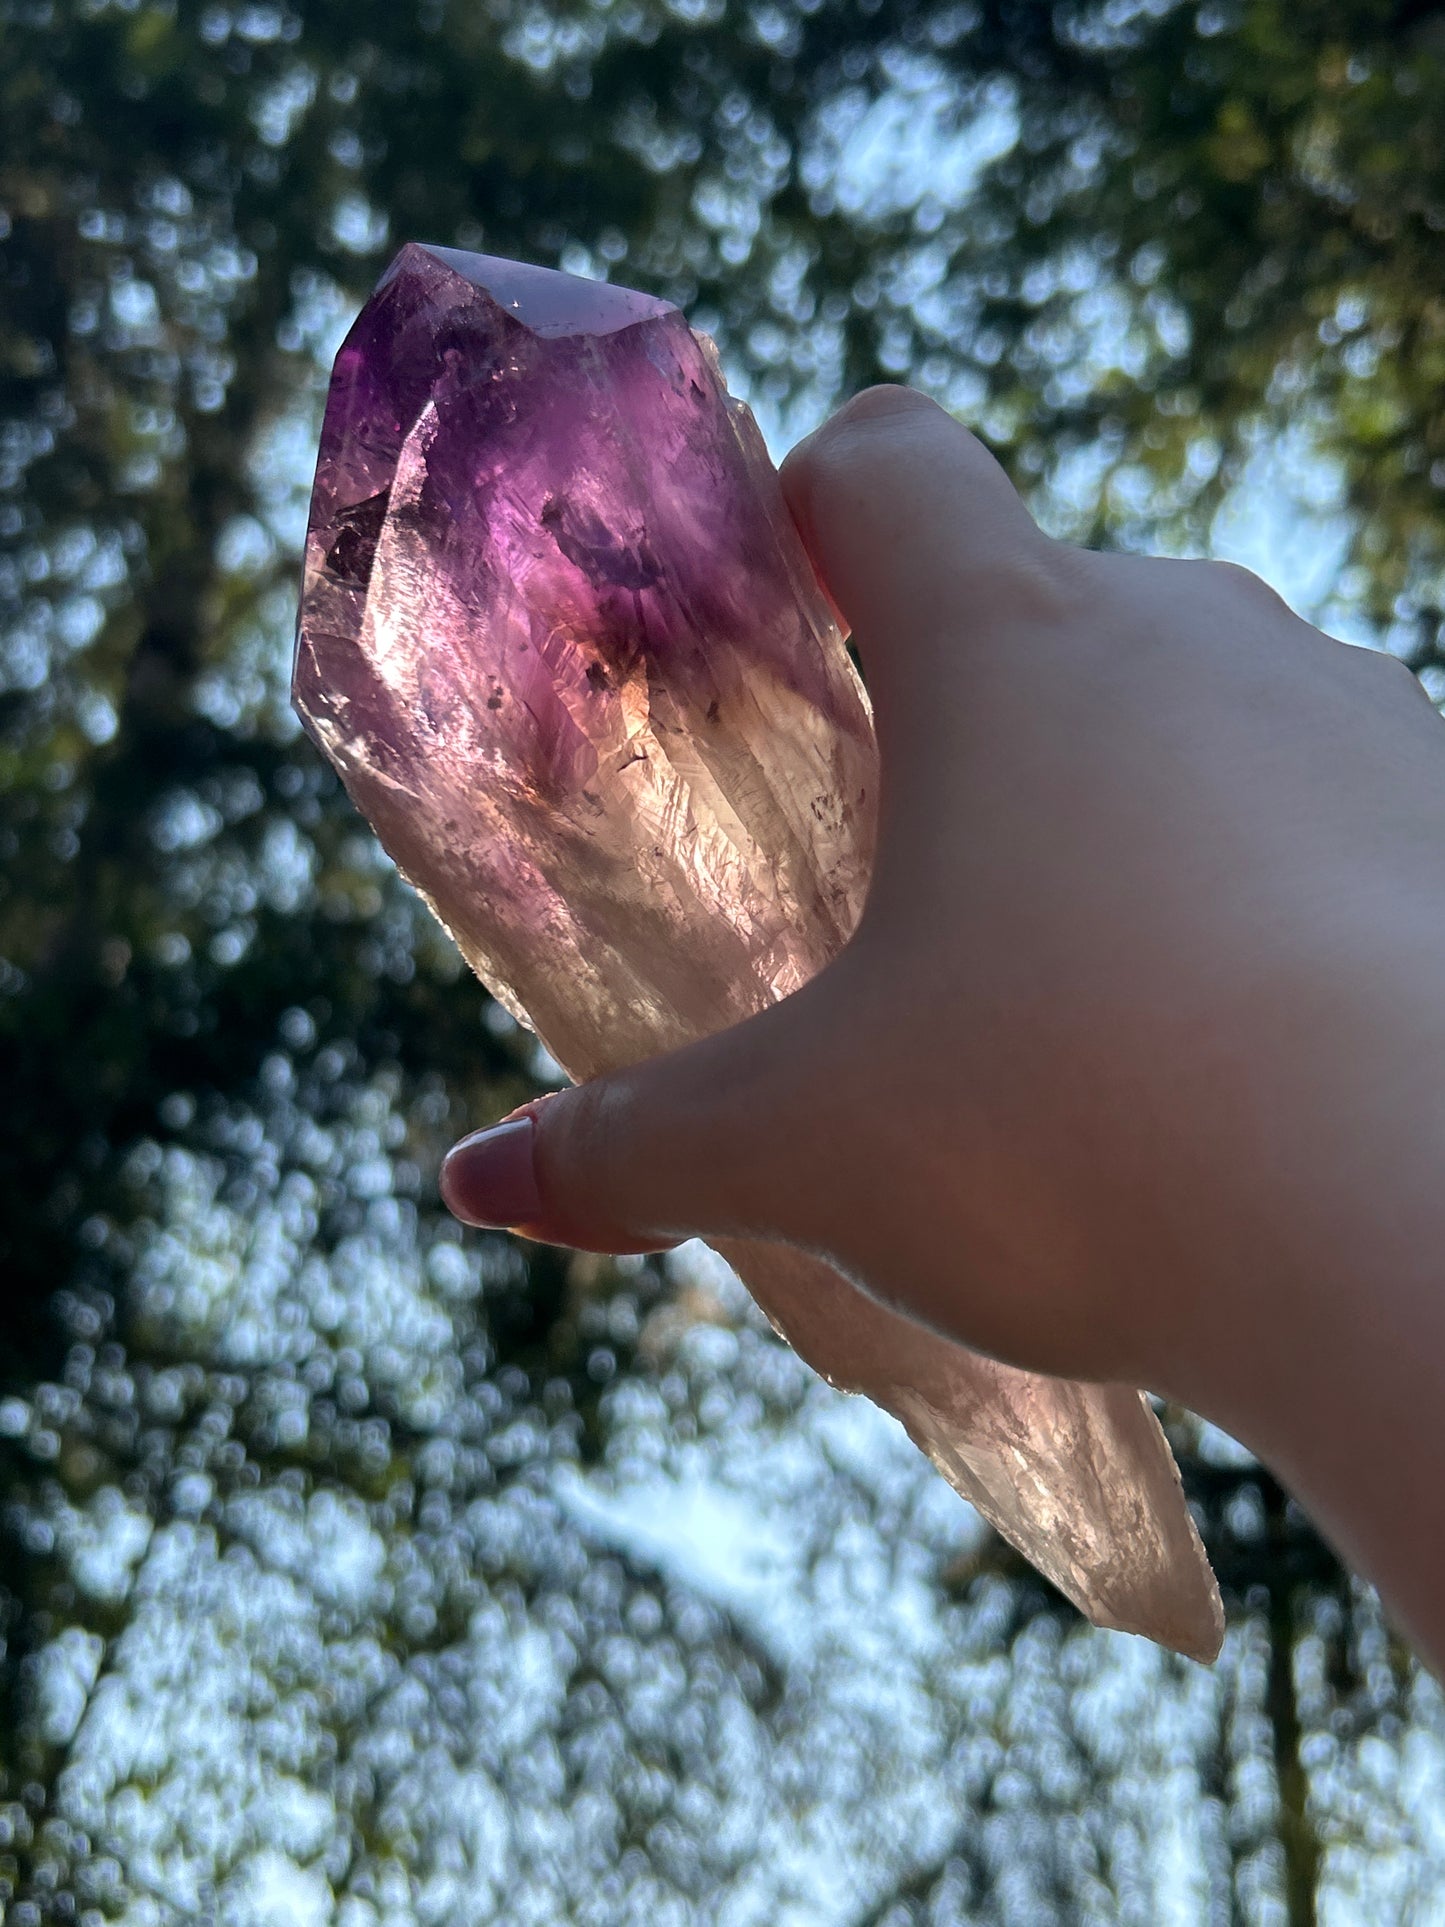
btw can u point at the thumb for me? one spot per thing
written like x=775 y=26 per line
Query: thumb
x=729 y=1136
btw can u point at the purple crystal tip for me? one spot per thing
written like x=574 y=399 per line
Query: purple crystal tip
x=546 y=301
x=555 y=612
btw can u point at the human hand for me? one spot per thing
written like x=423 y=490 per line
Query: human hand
x=1128 y=1067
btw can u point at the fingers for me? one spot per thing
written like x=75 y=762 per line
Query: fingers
x=918 y=535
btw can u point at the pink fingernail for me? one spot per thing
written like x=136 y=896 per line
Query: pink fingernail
x=489 y=1179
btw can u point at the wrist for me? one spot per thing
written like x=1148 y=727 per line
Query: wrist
x=1324 y=1348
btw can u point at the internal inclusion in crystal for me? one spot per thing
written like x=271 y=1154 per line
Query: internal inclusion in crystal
x=560 y=638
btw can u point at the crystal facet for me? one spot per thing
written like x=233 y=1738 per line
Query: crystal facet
x=560 y=638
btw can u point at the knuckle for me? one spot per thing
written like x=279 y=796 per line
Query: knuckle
x=1235 y=577
x=854 y=453
x=876 y=438
x=1390 y=675
x=885 y=398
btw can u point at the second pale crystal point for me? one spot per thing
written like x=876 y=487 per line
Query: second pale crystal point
x=560 y=639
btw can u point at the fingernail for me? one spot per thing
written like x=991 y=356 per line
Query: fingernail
x=489 y=1179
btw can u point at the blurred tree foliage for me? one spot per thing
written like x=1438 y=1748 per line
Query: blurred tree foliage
x=281 y=1449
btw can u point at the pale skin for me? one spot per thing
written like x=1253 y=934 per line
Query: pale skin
x=1135 y=1067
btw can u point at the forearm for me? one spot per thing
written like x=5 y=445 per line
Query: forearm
x=1353 y=1423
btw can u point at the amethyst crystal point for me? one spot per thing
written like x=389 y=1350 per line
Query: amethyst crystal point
x=560 y=639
